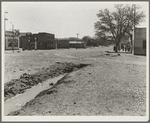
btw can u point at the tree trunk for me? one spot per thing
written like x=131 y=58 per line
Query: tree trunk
x=117 y=46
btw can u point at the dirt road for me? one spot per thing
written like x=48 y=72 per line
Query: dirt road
x=113 y=85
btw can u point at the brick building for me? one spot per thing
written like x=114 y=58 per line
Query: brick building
x=21 y=35
x=38 y=41
x=62 y=44
x=139 y=43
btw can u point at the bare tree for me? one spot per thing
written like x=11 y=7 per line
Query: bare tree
x=120 y=22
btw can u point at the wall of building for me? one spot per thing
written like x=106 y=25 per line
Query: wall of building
x=62 y=44
x=25 y=42
x=44 y=42
x=38 y=41
x=11 y=43
x=22 y=34
x=77 y=44
x=140 y=41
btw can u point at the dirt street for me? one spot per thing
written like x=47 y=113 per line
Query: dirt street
x=110 y=85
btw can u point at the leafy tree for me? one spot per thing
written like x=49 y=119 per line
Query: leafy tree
x=119 y=22
x=88 y=39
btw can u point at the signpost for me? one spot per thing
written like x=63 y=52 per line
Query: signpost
x=35 y=43
x=77 y=40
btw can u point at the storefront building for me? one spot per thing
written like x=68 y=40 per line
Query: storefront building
x=11 y=41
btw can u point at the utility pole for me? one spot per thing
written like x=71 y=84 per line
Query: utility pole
x=77 y=39
x=35 y=44
x=5 y=28
x=29 y=43
x=56 y=41
x=133 y=38
x=13 y=35
x=77 y=36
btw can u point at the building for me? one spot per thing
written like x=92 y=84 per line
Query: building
x=139 y=42
x=21 y=35
x=38 y=41
x=77 y=44
x=44 y=40
x=63 y=44
x=25 y=42
x=11 y=41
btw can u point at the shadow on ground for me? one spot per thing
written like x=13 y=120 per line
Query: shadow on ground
x=118 y=52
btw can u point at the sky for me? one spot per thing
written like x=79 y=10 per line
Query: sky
x=64 y=19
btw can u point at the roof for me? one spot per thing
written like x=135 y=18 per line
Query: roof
x=23 y=34
x=9 y=33
x=76 y=42
x=140 y=27
x=45 y=34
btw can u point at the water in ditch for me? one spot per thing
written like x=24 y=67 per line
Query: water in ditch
x=20 y=100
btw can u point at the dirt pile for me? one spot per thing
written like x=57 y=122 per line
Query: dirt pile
x=26 y=81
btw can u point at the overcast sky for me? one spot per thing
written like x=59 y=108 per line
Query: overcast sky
x=64 y=19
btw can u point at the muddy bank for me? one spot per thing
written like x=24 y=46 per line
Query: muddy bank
x=20 y=100
x=26 y=81
x=51 y=91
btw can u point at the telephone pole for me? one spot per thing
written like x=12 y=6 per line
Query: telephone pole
x=77 y=39
x=5 y=28
x=77 y=36
x=35 y=43
x=13 y=35
x=133 y=39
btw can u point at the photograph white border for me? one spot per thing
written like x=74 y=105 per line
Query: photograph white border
x=74 y=118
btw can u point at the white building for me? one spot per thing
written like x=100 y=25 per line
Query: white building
x=11 y=41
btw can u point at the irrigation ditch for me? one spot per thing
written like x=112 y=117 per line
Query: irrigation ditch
x=26 y=81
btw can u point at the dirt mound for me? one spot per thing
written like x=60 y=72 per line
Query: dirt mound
x=26 y=81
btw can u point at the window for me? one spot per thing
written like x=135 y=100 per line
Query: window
x=144 y=44
x=9 y=44
x=15 y=42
